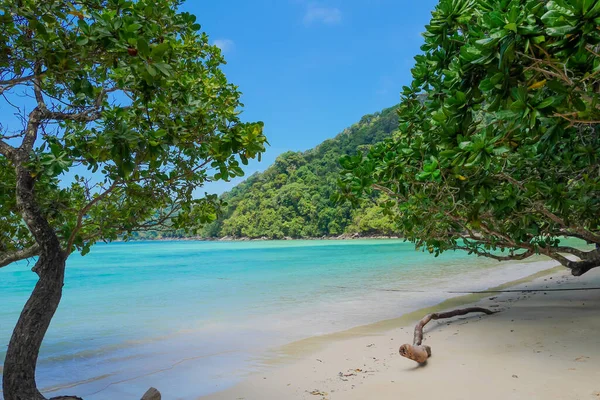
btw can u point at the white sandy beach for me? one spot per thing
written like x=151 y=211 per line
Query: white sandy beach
x=542 y=345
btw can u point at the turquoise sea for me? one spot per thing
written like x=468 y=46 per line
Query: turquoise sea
x=192 y=318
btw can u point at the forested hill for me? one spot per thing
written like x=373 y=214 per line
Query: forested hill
x=292 y=197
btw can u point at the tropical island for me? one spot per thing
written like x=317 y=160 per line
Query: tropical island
x=292 y=198
x=120 y=112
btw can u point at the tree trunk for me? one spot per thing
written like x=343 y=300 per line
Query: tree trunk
x=591 y=261
x=18 y=378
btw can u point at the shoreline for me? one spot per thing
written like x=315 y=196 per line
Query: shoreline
x=325 y=290
x=311 y=368
x=409 y=318
x=353 y=236
x=360 y=309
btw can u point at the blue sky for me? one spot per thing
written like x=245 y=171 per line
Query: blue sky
x=307 y=69
x=310 y=69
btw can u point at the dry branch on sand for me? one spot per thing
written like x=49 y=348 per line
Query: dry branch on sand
x=419 y=352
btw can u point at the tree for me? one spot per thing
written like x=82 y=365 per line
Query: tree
x=127 y=97
x=498 y=147
x=299 y=186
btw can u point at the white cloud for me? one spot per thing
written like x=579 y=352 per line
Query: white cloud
x=325 y=15
x=226 y=45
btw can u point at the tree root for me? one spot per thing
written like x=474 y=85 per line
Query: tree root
x=419 y=352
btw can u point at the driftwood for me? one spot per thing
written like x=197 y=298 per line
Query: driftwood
x=419 y=352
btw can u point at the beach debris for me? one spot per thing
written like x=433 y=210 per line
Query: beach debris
x=319 y=360
x=419 y=352
x=371 y=345
x=351 y=372
x=582 y=359
x=151 y=394
x=317 y=392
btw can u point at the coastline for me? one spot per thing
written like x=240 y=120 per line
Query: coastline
x=363 y=362
x=348 y=236
x=255 y=297
x=333 y=292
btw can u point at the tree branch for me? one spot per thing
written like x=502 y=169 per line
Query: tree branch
x=583 y=234
x=579 y=268
x=37 y=85
x=16 y=81
x=82 y=213
x=541 y=208
x=571 y=250
x=6 y=150
x=33 y=124
x=84 y=116
x=9 y=258
x=155 y=223
x=387 y=191
x=514 y=257
x=556 y=256
x=10 y=83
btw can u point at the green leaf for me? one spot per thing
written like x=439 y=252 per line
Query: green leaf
x=133 y=27
x=142 y=47
x=151 y=70
x=164 y=68
x=85 y=28
x=159 y=50
x=82 y=41
x=501 y=150
x=439 y=116
x=579 y=104
x=560 y=31
x=548 y=101
x=538 y=39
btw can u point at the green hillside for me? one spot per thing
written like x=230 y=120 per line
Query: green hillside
x=292 y=197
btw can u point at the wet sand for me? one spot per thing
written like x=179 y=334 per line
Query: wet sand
x=541 y=345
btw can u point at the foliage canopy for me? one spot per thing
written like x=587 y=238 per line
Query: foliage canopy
x=128 y=99
x=292 y=197
x=502 y=153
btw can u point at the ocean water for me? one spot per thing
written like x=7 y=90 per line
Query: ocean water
x=191 y=318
